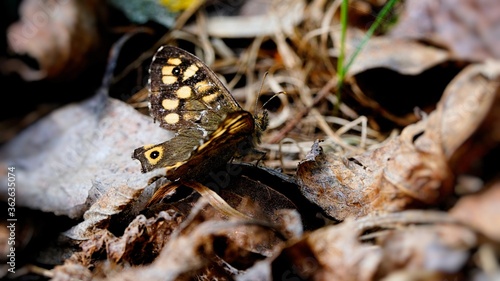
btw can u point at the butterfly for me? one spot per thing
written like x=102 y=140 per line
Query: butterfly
x=187 y=97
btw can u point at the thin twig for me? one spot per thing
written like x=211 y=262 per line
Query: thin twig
x=322 y=94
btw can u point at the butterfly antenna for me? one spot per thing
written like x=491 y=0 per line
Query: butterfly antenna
x=260 y=92
x=275 y=95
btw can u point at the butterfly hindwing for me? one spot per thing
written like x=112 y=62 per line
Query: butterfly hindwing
x=170 y=153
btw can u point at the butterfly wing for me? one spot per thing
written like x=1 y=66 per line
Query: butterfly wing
x=185 y=93
x=187 y=97
x=169 y=153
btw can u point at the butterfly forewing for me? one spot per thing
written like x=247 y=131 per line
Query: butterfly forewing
x=184 y=92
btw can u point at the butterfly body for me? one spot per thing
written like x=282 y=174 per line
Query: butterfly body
x=187 y=97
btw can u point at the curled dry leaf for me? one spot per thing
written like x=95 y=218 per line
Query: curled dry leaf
x=140 y=243
x=70 y=158
x=416 y=167
x=466 y=29
x=471 y=107
x=480 y=211
x=430 y=248
x=389 y=81
x=60 y=35
x=329 y=253
x=384 y=52
x=433 y=243
x=201 y=246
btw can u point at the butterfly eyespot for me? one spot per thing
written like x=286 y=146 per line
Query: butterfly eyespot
x=176 y=71
x=154 y=154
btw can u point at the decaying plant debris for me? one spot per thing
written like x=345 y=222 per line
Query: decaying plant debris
x=392 y=179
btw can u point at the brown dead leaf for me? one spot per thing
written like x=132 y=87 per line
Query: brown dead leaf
x=107 y=254
x=329 y=253
x=414 y=168
x=411 y=241
x=70 y=158
x=428 y=248
x=392 y=76
x=471 y=102
x=481 y=211
x=385 y=52
x=142 y=240
x=200 y=245
x=257 y=200
x=472 y=113
x=467 y=30
x=60 y=35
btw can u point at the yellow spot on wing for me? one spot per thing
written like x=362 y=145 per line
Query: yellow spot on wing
x=176 y=165
x=174 y=61
x=219 y=132
x=172 y=118
x=233 y=125
x=168 y=79
x=184 y=92
x=210 y=98
x=167 y=70
x=190 y=71
x=169 y=104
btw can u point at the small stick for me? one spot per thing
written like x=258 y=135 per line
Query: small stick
x=322 y=94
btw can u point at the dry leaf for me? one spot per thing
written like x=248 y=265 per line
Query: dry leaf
x=392 y=76
x=70 y=158
x=60 y=35
x=329 y=253
x=433 y=243
x=414 y=168
x=481 y=211
x=471 y=108
x=199 y=246
x=441 y=248
x=385 y=52
x=467 y=30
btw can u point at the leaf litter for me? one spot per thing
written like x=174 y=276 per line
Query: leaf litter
x=368 y=192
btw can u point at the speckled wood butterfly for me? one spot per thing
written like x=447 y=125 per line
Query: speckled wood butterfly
x=186 y=96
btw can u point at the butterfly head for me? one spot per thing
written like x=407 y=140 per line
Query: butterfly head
x=261 y=123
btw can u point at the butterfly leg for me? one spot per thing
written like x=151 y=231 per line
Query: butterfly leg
x=261 y=155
